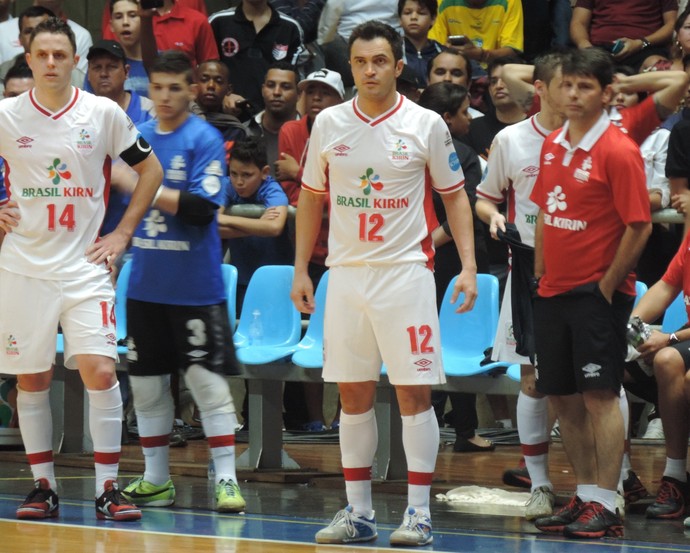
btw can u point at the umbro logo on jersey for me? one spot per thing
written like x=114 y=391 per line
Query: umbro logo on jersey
x=341 y=150
x=24 y=142
x=531 y=171
x=548 y=158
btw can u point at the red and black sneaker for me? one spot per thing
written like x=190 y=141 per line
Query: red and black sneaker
x=633 y=488
x=561 y=518
x=671 y=499
x=518 y=477
x=112 y=505
x=42 y=502
x=595 y=521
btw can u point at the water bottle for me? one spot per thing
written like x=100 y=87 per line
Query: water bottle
x=211 y=471
x=256 y=329
x=637 y=332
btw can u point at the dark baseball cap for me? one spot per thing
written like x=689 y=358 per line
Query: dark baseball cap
x=109 y=47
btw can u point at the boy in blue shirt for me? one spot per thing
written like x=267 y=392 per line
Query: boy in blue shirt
x=254 y=242
x=176 y=300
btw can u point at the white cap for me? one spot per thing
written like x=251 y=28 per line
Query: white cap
x=327 y=77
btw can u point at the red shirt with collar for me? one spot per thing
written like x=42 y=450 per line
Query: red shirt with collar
x=294 y=140
x=186 y=30
x=588 y=195
x=107 y=33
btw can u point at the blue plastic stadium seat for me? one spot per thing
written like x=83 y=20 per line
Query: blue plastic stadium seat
x=513 y=372
x=640 y=290
x=268 y=294
x=230 y=280
x=310 y=349
x=465 y=336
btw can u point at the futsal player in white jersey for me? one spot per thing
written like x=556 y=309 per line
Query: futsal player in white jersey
x=378 y=157
x=512 y=169
x=57 y=142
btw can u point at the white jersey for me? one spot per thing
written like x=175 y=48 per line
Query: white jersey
x=512 y=170
x=58 y=172
x=379 y=174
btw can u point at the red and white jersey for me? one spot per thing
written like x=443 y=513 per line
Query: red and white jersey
x=379 y=174
x=58 y=172
x=588 y=194
x=512 y=170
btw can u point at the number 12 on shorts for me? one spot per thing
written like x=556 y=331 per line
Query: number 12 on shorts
x=419 y=339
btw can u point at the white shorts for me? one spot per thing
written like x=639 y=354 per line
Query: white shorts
x=378 y=314
x=31 y=308
x=504 y=344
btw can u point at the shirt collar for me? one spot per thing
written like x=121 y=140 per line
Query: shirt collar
x=591 y=136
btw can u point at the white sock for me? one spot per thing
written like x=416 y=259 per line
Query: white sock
x=676 y=468
x=220 y=432
x=154 y=422
x=587 y=492
x=606 y=497
x=532 y=422
x=105 y=424
x=36 y=426
x=420 y=437
x=154 y=437
x=358 y=443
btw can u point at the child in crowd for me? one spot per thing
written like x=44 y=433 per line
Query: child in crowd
x=416 y=18
x=255 y=242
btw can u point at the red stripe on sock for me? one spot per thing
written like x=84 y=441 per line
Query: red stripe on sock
x=531 y=450
x=155 y=441
x=357 y=474
x=221 y=441
x=106 y=458
x=40 y=457
x=419 y=478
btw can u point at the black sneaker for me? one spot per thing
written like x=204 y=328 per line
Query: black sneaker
x=112 y=505
x=633 y=488
x=595 y=521
x=671 y=499
x=42 y=502
x=561 y=518
x=518 y=477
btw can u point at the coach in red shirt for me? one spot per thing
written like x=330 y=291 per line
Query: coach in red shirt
x=593 y=223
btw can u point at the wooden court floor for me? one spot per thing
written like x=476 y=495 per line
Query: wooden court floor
x=284 y=510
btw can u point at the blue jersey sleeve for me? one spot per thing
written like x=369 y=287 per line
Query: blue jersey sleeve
x=207 y=177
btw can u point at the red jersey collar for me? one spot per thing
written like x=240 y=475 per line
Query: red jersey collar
x=380 y=118
x=57 y=114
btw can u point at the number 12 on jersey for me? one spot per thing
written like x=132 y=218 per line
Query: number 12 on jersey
x=65 y=219
x=370 y=225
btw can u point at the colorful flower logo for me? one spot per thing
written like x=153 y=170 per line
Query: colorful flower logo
x=369 y=180
x=58 y=171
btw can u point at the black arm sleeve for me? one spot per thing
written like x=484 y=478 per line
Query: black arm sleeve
x=194 y=210
x=137 y=152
